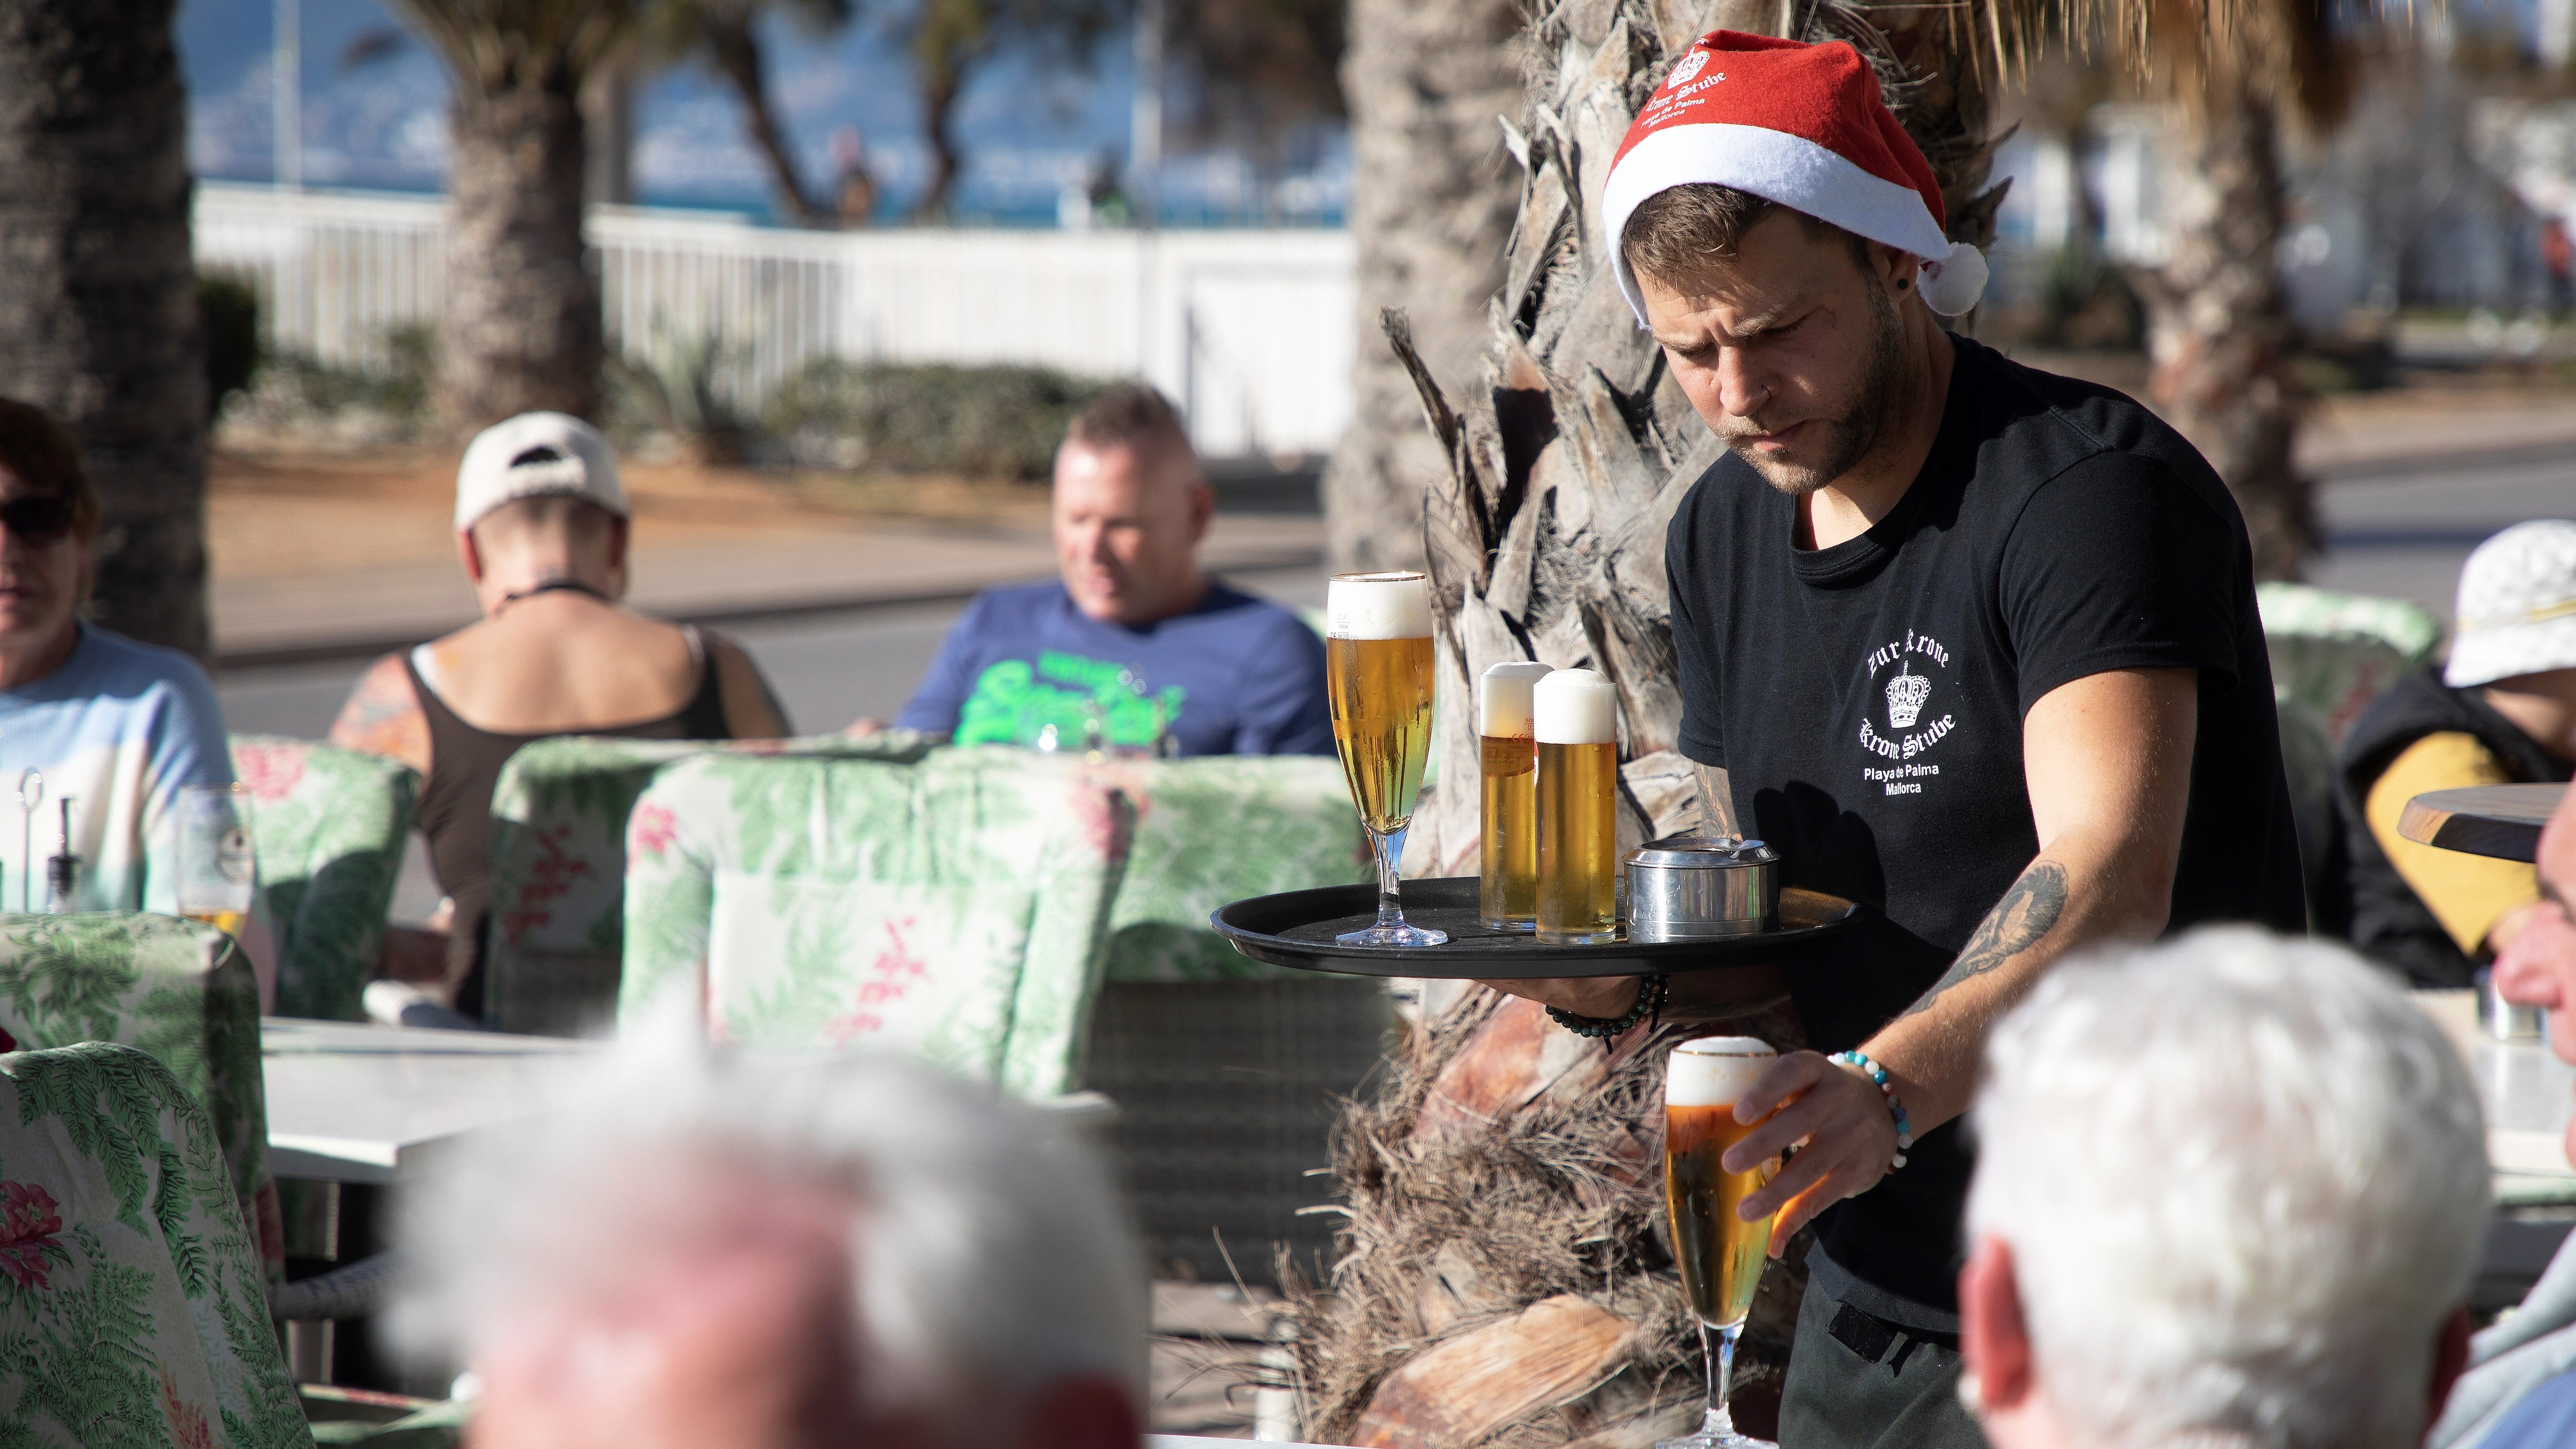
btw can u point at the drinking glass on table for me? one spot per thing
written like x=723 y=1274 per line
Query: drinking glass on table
x=218 y=872
x=1377 y=671
x=1720 y=1254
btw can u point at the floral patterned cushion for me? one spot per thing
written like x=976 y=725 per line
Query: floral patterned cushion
x=956 y=906
x=328 y=825
x=180 y=991
x=1217 y=829
x=559 y=865
x=2335 y=653
x=133 y=1306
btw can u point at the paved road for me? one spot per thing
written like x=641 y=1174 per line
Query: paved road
x=2401 y=533
x=828 y=668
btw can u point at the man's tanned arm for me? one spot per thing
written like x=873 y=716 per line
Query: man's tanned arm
x=383 y=716
x=2107 y=762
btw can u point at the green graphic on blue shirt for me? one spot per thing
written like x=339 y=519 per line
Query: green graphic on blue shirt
x=1013 y=703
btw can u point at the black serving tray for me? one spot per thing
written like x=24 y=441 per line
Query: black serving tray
x=1297 y=928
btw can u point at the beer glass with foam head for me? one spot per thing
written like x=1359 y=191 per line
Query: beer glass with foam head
x=1720 y=1254
x=1575 y=714
x=1507 y=892
x=1378 y=671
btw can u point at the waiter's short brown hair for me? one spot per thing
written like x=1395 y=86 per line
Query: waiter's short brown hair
x=1128 y=414
x=1681 y=229
x=45 y=457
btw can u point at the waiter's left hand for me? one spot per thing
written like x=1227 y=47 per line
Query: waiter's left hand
x=1849 y=1139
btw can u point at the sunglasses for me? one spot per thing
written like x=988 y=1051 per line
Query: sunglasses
x=37 y=519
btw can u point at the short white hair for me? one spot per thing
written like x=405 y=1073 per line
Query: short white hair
x=2244 y=1180
x=990 y=1254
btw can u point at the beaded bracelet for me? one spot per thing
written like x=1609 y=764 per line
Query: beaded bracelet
x=1650 y=1002
x=1886 y=1088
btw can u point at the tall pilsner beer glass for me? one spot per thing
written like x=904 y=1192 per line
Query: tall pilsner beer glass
x=1721 y=1255
x=1507 y=895
x=1377 y=669
x=1576 y=714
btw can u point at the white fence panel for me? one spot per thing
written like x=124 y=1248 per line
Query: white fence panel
x=1251 y=330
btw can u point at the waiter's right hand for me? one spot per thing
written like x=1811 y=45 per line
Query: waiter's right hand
x=1838 y=1120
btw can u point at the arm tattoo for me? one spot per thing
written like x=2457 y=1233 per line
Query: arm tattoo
x=2026 y=914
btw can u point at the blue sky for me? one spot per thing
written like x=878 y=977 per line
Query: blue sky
x=383 y=125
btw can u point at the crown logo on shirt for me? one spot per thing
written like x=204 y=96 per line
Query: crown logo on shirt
x=1905 y=696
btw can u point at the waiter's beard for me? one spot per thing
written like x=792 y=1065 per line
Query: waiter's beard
x=1845 y=438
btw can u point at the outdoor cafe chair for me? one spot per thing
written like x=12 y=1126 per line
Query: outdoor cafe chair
x=558 y=911
x=180 y=991
x=957 y=907
x=328 y=827
x=2336 y=652
x=132 y=1295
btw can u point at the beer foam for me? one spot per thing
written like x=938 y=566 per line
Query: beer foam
x=1503 y=698
x=1378 y=606
x=1575 y=707
x=1715 y=1071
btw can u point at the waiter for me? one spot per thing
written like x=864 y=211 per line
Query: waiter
x=1972 y=644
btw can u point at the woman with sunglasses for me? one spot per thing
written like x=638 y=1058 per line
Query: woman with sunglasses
x=97 y=731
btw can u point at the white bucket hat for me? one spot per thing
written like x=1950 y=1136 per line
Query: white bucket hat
x=2517 y=607
x=537 y=455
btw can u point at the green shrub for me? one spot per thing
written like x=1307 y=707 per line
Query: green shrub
x=297 y=394
x=228 y=316
x=985 y=422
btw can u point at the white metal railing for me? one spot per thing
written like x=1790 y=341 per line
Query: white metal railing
x=1252 y=331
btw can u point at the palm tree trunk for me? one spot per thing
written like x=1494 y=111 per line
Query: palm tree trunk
x=98 y=320
x=941 y=80
x=522 y=329
x=1432 y=194
x=1501 y=1186
x=2218 y=324
x=735 y=49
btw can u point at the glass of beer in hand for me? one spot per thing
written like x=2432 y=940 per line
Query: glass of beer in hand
x=1575 y=714
x=218 y=873
x=1720 y=1254
x=1378 y=670
x=1507 y=890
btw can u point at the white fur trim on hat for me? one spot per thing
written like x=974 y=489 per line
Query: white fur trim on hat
x=2517 y=605
x=498 y=469
x=1796 y=173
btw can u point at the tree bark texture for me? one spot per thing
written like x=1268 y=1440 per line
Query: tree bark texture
x=1432 y=194
x=733 y=46
x=1501 y=1284
x=98 y=321
x=522 y=329
x=2218 y=324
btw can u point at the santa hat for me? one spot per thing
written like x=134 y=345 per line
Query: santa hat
x=1800 y=125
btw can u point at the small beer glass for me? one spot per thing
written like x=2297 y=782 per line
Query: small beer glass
x=1576 y=716
x=1507 y=891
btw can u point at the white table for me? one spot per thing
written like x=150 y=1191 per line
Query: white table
x=352 y=1102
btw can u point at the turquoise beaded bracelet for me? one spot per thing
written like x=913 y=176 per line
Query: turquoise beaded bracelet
x=1887 y=1089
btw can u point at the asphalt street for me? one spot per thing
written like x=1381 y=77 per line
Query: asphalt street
x=2399 y=531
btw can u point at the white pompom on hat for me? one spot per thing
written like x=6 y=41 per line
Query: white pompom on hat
x=2517 y=605
x=1800 y=125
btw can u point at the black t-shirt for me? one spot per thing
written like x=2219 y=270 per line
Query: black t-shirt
x=1866 y=701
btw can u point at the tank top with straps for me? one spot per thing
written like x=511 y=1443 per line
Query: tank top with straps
x=455 y=807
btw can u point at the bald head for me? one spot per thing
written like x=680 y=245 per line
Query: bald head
x=1130 y=509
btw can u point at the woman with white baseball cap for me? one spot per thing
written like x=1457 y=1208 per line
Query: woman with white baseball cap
x=542 y=529
x=2503 y=710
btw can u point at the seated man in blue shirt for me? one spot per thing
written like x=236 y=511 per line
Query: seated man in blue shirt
x=1133 y=640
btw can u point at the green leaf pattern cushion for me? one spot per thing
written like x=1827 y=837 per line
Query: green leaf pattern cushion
x=1220 y=828
x=956 y=906
x=2336 y=652
x=133 y=1307
x=559 y=862
x=180 y=991
x=328 y=826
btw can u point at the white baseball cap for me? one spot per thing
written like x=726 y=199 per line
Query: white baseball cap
x=2517 y=609
x=537 y=455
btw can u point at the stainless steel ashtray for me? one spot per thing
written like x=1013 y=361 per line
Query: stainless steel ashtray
x=1698 y=887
